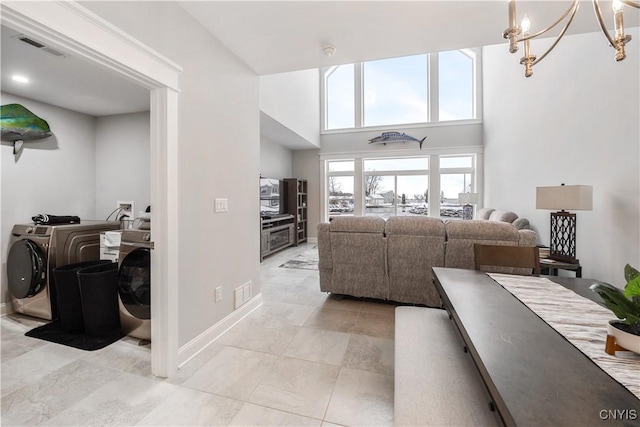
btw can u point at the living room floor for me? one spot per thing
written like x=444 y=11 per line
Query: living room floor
x=302 y=358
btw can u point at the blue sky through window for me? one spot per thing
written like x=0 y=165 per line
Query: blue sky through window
x=395 y=91
x=455 y=80
x=341 y=98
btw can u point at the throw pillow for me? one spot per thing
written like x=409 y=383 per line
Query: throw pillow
x=484 y=213
x=522 y=224
x=505 y=216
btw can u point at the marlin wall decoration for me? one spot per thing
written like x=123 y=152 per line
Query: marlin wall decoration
x=18 y=124
x=395 y=137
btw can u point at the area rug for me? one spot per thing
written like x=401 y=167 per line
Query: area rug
x=307 y=260
x=53 y=332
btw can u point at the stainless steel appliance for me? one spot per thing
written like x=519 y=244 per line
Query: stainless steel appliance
x=35 y=250
x=134 y=283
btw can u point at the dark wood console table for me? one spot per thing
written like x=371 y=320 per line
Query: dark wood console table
x=533 y=374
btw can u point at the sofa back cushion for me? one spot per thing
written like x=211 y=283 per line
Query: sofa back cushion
x=357 y=224
x=504 y=216
x=358 y=257
x=484 y=213
x=462 y=235
x=414 y=245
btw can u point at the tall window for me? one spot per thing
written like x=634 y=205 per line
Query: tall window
x=455 y=85
x=396 y=91
x=456 y=176
x=396 y=186
x=340 y=97
x=340 y=187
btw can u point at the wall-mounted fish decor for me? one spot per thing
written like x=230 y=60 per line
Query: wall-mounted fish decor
x=395 y=137
x=18 y=124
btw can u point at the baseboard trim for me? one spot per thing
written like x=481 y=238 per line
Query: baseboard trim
x=199 y=343
x=6 y=308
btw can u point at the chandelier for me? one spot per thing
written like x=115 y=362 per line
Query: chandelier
x=520 y=33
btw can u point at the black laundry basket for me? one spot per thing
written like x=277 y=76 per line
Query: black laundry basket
x=68 y=295
x=99 y=291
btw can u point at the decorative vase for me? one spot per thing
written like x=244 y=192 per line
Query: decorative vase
x=624 y=339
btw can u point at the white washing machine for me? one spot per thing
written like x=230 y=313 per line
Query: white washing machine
x=134 y=283
x=35 y=250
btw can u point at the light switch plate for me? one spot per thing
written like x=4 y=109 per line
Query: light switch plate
x=221 y=205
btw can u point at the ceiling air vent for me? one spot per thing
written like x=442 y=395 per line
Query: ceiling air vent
x=39 y=45
x=27 y=40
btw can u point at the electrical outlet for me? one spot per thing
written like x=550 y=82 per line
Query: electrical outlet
x=219 y=293
x=126 y=210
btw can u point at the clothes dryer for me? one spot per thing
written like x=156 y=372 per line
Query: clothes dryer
x=134 y=283
x=35 y=250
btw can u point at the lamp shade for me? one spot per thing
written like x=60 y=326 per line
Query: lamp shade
x=565 y=197
x=468 y=198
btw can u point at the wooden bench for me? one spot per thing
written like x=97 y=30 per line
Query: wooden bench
x=436 y=382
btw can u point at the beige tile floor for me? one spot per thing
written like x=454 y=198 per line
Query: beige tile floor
x=301 y=359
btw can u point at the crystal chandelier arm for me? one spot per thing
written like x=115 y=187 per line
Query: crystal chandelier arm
x=596 y=9
x=572 y=9
x=631 y=3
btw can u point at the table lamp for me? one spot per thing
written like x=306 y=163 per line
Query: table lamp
x=563 y=224
x=468 y=199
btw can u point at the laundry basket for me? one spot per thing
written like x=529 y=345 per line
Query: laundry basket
x=68 y=295
x=99 y=291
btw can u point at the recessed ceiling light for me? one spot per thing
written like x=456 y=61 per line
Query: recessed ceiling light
x=20 y=79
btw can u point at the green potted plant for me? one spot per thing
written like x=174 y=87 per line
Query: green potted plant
x=625 y=305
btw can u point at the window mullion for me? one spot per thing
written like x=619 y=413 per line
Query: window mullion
x=434 y=88
x=359 y=95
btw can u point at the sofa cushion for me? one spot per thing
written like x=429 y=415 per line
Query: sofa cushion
x=484 y=213
x=414 y=225
x=462 y=235
x=357 y=224
x=522 y=224
x=504 y=216
x=414 y=245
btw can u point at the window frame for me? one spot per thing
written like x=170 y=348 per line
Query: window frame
x=433 y=173
x=432 y=92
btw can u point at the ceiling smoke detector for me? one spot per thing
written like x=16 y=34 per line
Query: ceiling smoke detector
x=328 y=50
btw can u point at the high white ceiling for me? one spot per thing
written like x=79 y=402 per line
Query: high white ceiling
x=281 y=36
x=275 y=37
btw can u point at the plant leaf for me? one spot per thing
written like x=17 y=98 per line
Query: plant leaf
x=630 y=273
x=632 y=289
x=615 y=301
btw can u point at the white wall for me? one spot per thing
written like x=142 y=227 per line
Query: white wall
x=54 y=176
x=219 y=157
x=122 y=162
x=306 y=165
x=438 y=136
x=276 y=161
x=575 y=121
x=293 y=99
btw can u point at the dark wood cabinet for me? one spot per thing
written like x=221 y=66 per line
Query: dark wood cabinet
x=296 y=199
x=276 y=234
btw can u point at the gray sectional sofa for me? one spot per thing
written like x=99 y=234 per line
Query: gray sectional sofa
x=392 y=259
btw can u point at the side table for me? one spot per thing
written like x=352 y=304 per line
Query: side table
x=551 y=267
